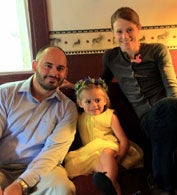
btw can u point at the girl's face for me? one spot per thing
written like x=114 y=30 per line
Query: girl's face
x=92 y=101
x=126 y=34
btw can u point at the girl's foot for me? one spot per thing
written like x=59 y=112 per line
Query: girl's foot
x=103 y=183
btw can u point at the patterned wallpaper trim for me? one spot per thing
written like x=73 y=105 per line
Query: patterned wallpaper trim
x=91 y=41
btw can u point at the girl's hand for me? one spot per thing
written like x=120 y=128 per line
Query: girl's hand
x=67 y=84
x=117 y=156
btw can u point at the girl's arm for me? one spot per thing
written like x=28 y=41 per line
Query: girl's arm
x=67 y=84
x=119 y=133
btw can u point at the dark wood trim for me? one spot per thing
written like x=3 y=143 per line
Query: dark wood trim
x=39 y=24
x=14 y=76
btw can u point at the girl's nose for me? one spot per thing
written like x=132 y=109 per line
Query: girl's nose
x=94 y=103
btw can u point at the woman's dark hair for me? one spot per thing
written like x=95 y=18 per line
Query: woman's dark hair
x=125 y=13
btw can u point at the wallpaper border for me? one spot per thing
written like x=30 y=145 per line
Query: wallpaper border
x=91 y=41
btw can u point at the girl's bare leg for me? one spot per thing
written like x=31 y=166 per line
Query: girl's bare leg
x=108 y=164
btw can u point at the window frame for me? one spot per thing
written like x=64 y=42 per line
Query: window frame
x=39 y=37
x=38 y=17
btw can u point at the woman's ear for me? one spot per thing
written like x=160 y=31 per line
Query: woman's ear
x=139 y=26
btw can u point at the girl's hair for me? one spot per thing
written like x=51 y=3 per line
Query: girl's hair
x=125 y=13
x=90 y=83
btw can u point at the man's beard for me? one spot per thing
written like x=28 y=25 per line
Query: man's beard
x=47 y=86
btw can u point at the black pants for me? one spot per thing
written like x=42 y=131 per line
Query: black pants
x=160 y=125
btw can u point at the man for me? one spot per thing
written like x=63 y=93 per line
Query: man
x=37 y=127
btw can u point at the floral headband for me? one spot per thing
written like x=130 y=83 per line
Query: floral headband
x=82 y=83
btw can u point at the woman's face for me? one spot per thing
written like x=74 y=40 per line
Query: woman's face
x=126 y=34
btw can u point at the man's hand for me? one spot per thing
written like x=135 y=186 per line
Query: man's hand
x=14 y=188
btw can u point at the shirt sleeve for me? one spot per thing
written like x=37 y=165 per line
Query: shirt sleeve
x=167 y=70
x=106 y=74
x=55 y=148
x=3 y=113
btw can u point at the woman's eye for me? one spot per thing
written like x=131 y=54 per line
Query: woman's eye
x=119 y=32
x=130 y=30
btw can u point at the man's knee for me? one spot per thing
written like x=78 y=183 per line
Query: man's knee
x=56 y=182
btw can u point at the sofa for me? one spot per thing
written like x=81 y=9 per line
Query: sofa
x=132 y=181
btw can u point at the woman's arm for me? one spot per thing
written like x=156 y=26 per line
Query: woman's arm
x=166 y=69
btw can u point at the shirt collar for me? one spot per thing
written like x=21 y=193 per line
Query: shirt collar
x=26 y=87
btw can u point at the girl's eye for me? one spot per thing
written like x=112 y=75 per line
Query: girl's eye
x=87 y=101
x=97 y=100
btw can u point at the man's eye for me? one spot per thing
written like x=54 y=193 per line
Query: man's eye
x=60 y=68
x=48 y=65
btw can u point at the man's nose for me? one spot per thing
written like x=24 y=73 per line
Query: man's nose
x=54 y=71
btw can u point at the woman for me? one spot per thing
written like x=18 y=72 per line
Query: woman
x=147 y=78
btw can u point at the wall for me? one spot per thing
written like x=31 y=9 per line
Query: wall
x=95 y=14
x=80 y=66
x=81 y=27
x=174 y=59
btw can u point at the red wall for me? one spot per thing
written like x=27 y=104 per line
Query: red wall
x=174 y=59
x=80 y=66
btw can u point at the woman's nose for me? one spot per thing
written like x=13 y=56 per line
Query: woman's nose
x=125 y=35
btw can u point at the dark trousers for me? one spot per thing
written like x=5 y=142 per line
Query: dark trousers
x=160 y=125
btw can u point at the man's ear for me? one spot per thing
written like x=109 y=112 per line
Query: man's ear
x=34 y=65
